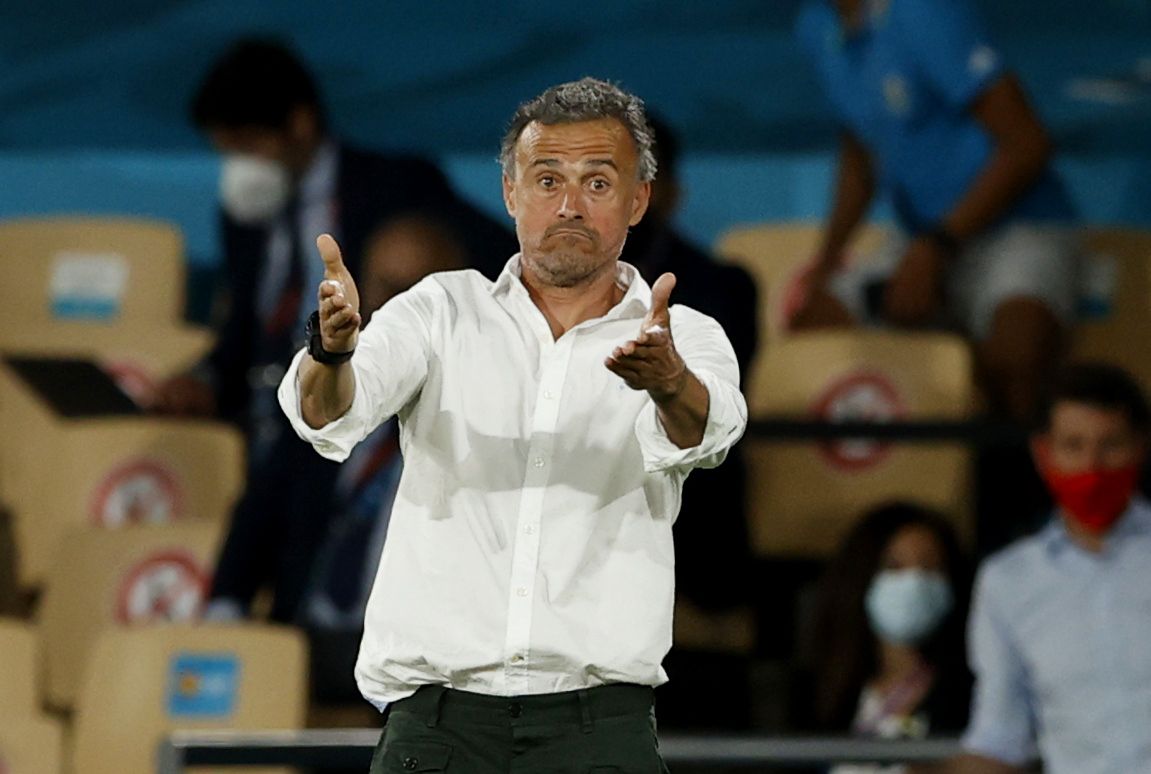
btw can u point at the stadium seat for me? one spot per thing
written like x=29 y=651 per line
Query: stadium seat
x=104 y=578
x=1116 y=313
x=31 y=745
x=113 y=472
x=144 y=683
x=18 y=689
x=802 y=494
x=98 y=270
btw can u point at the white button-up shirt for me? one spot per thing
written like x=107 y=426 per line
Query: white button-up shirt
x=530 y=545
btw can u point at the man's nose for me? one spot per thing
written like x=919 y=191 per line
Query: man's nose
x=571 y=206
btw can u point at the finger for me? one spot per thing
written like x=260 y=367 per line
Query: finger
x=340 y=318
x=660 y=293
x=654 y=336
x=330 y=254
x=624 y=371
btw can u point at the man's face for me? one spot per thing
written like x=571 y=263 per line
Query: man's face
x=290 y=145
x=1085 y=437
x=574 y=194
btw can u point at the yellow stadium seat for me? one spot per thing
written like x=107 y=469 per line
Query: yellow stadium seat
x=99 y=270
x=803 y=495
x=112 y=472
x=31 y=745
x=105 y=578
x=144 y=683
x=18 y=689
x=1116 y=326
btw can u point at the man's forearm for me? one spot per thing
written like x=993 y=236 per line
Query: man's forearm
x=684 y=416
x=326 y=391
x=854 y=190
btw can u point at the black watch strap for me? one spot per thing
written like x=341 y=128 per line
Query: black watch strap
x=316 y=344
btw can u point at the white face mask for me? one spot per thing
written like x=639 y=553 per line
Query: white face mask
x=253 y=190
x=906 y=606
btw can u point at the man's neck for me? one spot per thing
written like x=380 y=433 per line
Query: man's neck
x=1081 y=536
x=565 y=308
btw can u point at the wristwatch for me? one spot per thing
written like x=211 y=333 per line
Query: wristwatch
x=316 y=344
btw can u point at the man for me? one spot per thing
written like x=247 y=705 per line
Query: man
x=285 y=178
x=523 y=601
x=931 y=114
x=1061 y=621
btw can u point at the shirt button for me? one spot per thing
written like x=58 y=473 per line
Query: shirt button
x=521 y=592
x=539 y=462
x=549 y=394
x=411 y=763
x=517 y=658
x=529 y=530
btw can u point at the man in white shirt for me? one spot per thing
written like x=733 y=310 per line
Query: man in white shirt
x=523 y=602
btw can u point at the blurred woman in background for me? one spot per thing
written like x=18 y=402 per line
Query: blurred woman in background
x=888 y=631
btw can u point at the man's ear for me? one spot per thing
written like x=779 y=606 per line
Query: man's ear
x=509 y=195
x=640 y=202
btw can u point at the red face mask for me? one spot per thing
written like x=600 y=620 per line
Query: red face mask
x=1094 y=498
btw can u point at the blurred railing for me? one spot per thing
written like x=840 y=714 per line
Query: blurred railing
x=353 y=748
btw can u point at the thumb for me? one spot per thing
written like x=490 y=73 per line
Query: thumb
x=660 y=293
x=330 y=253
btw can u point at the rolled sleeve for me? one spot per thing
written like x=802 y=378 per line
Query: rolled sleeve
x=707 y=352
x=1002 y=715
x=389 y=368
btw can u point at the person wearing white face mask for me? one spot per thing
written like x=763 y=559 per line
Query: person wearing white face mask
x=888 y=631
x=285 y=178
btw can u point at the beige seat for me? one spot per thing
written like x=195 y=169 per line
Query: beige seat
x=776 y=254
x=105 y=578
x=18 y=689
x=144 y=683
x=31 y=745
x=100 y=270
x=803 y=495
x=1119 y=262
x=111 y=472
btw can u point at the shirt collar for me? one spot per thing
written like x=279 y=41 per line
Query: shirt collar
x=634 y=304
x=1136 y=520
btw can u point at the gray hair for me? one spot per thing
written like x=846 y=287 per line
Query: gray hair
x=587 y=99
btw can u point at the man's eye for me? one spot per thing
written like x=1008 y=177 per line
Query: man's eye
x=547 y=182
x=599 y=184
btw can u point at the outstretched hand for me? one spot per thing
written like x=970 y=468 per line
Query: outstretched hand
x=650 y=361
x=338 y=300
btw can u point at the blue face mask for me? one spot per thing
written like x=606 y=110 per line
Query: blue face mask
x=906 y=606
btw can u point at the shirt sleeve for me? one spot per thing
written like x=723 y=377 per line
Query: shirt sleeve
x=389 y=366
x=705 y=348
x=1002 y=715
x=947 y=42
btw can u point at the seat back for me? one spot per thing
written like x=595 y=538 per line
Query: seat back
x=1117 y=301
x=804 y=495
x=19 y=697
x=114 y=472
x=106 y=578
x=99 y=270
x=143 y=683
x=31 y=745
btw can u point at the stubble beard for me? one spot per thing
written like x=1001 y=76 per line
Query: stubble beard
x=566 y=266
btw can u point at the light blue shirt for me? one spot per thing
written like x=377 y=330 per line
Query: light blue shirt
x=1060 y=644
x=904 y=85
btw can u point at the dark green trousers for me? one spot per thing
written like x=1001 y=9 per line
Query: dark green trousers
x=604 y=730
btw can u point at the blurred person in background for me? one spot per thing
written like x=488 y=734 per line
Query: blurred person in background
x=931 y=115
x=713 y=514
x=285 y=178
x=1061 y=621
x=398 y=255
x=888 y=631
